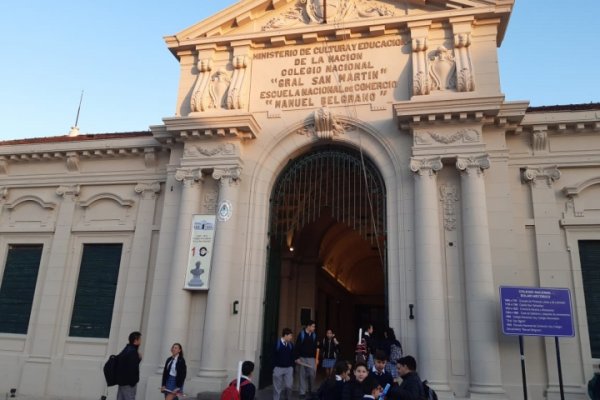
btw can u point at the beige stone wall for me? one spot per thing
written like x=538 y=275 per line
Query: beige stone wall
x=260 y=84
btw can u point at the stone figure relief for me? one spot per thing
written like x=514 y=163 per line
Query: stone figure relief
x=449 y=197
x=442 y=69
x=307 y=12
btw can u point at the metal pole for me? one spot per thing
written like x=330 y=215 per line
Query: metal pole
x=523 y=375
x=560 y=380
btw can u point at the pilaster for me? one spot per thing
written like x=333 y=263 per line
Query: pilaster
x=554 y=269
x=133 y=304
x=46 y=327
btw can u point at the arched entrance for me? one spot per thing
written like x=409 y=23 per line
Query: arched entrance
x=327 y=248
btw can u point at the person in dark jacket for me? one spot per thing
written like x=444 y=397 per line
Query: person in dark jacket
x=128 y=368
x=330 y=351
x=353 y=389
x=174 y=373
x=306 y=352
x=333 y=387
x=283 y=365
x=379 y=371
x=370 y=343
x=247 y=388
x=411 y=387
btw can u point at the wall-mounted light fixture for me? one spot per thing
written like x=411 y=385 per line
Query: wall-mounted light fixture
x=235 y=307
x=411 y=315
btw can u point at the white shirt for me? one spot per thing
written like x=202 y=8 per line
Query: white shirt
x=173 y=369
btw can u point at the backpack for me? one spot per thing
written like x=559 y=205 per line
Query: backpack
x=430 y=394
x=395 y=352
x=593 y=387
x=231 y=392
x=360 y=353
x=110 y=370
x=313 y=336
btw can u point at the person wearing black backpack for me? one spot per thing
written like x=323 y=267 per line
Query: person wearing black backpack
x=128 y=368
x=411 y=387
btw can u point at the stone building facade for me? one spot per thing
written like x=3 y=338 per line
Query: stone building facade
x=360 y=163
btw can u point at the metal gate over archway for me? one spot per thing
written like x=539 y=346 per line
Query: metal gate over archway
x=337 y=182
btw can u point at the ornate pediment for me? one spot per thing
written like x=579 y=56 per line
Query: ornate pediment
x=263 y=16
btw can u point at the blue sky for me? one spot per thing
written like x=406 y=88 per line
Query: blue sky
x=114 y=50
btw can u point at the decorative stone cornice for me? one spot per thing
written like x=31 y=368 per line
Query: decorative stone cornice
x=546 y=175
x=147 y=190
x=73 y=157
x=425 y=113
x=425 y=165
x=221 y=30
x=227 y=125
x=68 y=191
x=473 y=164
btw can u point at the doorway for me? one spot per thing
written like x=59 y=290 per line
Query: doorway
x=327 y=249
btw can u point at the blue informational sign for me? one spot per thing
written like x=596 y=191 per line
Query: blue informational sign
x=534 y=311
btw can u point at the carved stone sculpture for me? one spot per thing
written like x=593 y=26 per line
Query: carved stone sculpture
x=308 y=12
x=442 y=69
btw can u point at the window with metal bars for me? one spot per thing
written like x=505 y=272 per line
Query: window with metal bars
x=337 y=182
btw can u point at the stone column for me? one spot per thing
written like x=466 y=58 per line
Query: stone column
x=430 y=311
x=213 y=371
x=481 y=293
x=50 y=316
x=178 y=299
x=133 y=304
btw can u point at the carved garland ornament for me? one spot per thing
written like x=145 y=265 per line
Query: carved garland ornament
x=463 y=135
x=223 y=148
